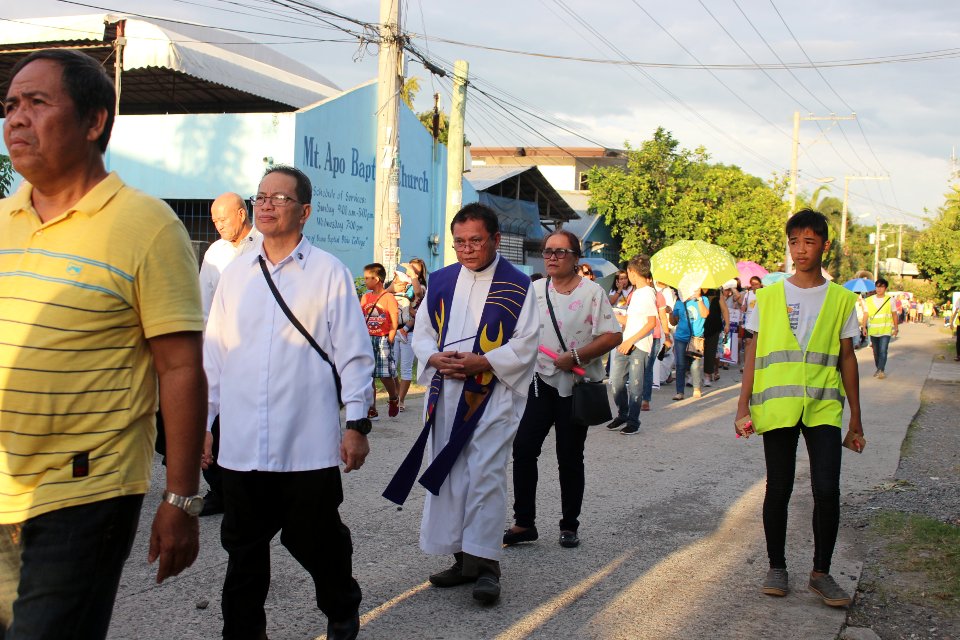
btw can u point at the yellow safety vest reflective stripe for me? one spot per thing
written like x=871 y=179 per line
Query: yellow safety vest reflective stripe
x=790 y=384
x=879 y=316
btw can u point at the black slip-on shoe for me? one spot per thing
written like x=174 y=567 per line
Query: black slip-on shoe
x=345 y=629
x=569 y=539
x=515 y=537
x=487 y=589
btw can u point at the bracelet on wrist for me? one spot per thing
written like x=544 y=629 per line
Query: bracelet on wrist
x=576 y=356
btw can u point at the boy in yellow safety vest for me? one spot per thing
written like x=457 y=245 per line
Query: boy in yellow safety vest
x=882 y=321
x=799 y=370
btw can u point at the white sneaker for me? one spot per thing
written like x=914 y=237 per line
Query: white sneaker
x=707 y=383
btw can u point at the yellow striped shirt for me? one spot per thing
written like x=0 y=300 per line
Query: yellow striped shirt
x=79 y=297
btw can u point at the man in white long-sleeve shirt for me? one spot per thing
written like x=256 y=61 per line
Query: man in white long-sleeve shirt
x=477 y=349
x=276 y=396
x=237 y=237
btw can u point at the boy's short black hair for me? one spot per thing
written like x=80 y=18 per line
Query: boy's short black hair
x=882 y=282
x=809 y=219
x=641 y=266
x=377 y=269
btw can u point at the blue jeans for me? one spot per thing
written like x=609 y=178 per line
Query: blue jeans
x=648 y=371
x=880 y=345
x=626 y=394
x=683 y=362
x=70 y=565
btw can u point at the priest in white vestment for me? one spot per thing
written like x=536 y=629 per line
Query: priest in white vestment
x=467 y=517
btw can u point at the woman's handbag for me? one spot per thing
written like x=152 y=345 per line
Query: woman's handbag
x=695 y=347
x=591 y=405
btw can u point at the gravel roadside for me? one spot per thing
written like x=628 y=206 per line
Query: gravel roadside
x=894 y=602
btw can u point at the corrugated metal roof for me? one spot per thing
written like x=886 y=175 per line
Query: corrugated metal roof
x=524 y=183
x=170 y=67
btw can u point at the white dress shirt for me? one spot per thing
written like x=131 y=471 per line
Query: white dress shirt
x=274 y=393
x=215 y=260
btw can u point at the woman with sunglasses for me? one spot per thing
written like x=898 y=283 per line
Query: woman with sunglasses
x=587 y=272
x=587 y=331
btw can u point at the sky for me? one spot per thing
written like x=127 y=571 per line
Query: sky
x=906 y=126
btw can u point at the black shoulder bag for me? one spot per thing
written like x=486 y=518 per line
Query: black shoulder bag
x=591 y=405
x=296 y=323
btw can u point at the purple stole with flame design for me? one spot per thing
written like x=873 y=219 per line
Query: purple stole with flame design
x=498 y=320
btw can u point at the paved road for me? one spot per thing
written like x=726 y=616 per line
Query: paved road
x=672 y=537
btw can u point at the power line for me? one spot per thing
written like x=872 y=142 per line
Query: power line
x=921 y=56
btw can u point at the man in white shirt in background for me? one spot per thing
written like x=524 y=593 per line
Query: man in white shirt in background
x=237 y=237
x=630 y=358
x=276 y=395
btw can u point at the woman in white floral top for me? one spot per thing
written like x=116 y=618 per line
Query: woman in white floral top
x=585 y=318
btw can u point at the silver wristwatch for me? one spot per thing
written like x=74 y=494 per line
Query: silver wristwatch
x=192 y=505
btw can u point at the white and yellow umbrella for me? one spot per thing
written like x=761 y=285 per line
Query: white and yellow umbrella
x=693 y=264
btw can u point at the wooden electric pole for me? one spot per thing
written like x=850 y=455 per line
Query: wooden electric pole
x=788 y=262
x=386 y=222
x=455 y=155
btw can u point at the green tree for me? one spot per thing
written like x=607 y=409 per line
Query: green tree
x=6 y=175
x=937 y=249
x=668 y=193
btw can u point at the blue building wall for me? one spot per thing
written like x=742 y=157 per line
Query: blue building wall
x=335 y=144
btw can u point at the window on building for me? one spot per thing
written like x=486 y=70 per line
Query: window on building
x=583 y=183
x=511 y=248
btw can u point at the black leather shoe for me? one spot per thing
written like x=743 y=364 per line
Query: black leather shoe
x=212 y=504
x=569 y=539
x=487 y=589
x=452 y=577
x=515 y=537
x=345 y=629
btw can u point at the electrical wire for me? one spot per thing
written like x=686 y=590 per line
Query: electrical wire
x=921 y=56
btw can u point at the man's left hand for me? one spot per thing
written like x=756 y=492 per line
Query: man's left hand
x=354 y=448
x=174 y=539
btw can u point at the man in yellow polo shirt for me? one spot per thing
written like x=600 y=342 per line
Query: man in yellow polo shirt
x=100 y=310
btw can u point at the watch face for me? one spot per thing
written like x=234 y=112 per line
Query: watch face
x=193 y=506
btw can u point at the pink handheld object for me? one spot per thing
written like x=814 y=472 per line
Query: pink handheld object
x=550 y=354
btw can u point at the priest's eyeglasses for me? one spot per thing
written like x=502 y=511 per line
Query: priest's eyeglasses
x=473 y=243
x=277 y=200
x=559 y=254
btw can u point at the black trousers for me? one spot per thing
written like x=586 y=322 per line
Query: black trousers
x=780 y=452
x=302 y=506
x=541 y=413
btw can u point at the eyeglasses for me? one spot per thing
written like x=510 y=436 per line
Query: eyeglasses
x=473 y=243
x=559 y=254
x=277 y=200
x=587 y=271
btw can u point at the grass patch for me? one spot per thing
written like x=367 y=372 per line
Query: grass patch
x=925 y=546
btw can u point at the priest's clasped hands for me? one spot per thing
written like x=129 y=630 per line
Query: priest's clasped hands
x=458 y=365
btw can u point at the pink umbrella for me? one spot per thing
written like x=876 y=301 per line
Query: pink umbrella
x=747 y=269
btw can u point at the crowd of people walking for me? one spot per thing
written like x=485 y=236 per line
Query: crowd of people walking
x=261 y=370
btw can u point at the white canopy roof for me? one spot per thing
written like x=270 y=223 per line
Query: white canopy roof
x=234 y=61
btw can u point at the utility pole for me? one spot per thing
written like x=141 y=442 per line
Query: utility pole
x=788 y=263
x=876 y=252
x=386 y=223
x=458 y=108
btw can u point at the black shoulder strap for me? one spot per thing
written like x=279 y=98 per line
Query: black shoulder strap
x=375 y=302
x=296 y=323
x=556 y=327
x=880 y=308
